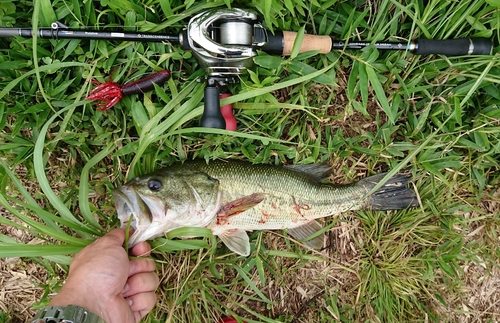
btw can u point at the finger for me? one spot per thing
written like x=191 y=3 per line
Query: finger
x=141 y=283
x=141 y=266
x=114 y=237
x=141 y=249
x=142 y=303
x=139 y=315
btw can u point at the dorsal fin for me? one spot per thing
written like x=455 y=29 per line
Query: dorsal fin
x=318 y=172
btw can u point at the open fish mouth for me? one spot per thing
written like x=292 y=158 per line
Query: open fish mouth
x=125 y=212
x=131 y=207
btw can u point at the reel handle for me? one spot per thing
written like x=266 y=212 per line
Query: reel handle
x=281 y=43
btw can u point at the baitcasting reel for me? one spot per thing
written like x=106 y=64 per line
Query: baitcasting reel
x=224 y=42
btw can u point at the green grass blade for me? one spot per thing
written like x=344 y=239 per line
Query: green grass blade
x=49 y=67
x=39 y=166
x=83 y=196
x=380 y=93
x=9 y=250
x=243 y=274
x=41 y=228
x=297 y=43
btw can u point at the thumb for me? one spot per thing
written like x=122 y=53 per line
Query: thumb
x=114 y=237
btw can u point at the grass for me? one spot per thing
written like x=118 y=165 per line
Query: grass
x=363 y=111
x=4 y=317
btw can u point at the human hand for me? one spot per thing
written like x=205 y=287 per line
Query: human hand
x=105 y=282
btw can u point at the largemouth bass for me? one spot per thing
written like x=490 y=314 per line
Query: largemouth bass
x=233 y=197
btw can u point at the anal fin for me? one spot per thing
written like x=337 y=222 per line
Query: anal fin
x=237 y=241
x=305 y=231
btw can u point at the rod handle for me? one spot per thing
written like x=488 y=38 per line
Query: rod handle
x=310 y=42
x=212 y=117
x=454 y=47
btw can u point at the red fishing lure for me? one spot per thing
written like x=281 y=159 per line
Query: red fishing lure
x=110 y=92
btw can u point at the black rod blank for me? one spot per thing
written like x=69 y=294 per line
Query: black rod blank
x=56 y=32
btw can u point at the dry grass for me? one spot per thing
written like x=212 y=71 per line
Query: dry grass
x=21 y=282
x=479 y=300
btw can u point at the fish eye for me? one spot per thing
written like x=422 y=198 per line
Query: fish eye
x=155 y=185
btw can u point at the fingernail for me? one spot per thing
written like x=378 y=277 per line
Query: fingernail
x=125 y=289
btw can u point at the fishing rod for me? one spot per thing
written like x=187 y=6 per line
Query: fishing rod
x=224 y=42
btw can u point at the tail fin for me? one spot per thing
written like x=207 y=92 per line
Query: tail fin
x=393 y=195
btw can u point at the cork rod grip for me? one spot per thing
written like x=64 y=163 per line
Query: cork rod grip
x=310 y=42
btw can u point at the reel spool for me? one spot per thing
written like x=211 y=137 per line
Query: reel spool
x=236 y=32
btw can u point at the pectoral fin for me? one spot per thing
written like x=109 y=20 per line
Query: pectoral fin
x=237 y=241
x=240 y=205
x=305 y=231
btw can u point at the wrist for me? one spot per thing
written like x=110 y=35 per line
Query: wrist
x=77 y=297
x=66 y=314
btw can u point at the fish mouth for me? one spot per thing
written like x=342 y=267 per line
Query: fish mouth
x=131 y=209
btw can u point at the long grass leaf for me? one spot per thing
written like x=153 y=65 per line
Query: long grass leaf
x=18 y=184
x=175 y=102
x=9 y=250
x=41 y=228
x=477 y=83
x=380 y=93
x=45 y=215
x=407 y=159
x=8 y=222
x=39 y=165
x=268 y=89
x=297 y=42
x=83 y=196
x=252 y=285
x=48 y=15
x=264 y=140
x=152 y=130
x=49 y=67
